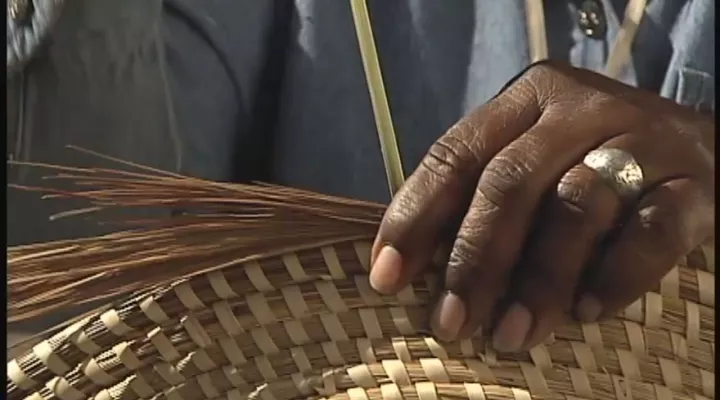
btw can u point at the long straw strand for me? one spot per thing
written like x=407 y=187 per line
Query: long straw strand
x=537 y=36
x=378 y=96
x=620 y=53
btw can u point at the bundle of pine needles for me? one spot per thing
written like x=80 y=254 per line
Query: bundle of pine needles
x=215 y=225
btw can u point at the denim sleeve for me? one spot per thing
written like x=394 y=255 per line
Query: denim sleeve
x=690 y=78
x=696 y=89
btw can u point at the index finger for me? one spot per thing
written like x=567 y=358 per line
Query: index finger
x=435 y=197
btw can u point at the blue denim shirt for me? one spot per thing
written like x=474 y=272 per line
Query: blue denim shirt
x=274 y=90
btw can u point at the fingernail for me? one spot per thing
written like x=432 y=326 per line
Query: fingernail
x=385 y=273
x=588 y=309
x=513 y=329
x=448 y=317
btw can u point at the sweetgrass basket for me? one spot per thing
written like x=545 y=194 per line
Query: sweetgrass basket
x=319 y=331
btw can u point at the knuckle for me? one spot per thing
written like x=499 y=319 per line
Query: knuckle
x=576 y=197
x=543 y=69
x=469 y=139
x=518 y=96
x=465 y=253
x=489 y=196
x=441 y=160
x=397 y=217
x=505 y=178
x=466 y=267
x=543 y=73
x=583 y=193
x=451 y=154
x=468 y=271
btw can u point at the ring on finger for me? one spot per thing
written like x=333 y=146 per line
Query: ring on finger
x=619 y=169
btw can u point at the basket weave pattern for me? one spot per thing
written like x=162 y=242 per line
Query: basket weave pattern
x=308 y=325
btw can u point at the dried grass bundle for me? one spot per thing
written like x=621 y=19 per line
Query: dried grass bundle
x=220 y=225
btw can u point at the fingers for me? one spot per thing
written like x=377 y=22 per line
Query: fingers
x=567 y=233
x=669 y=222
x=441 y=188
x=494 y=229
x=571 y=222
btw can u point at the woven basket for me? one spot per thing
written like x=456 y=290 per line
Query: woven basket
x=307 y=325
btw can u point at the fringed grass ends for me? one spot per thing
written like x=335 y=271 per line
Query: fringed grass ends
x=213 y=225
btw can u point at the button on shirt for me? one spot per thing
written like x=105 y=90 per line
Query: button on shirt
x=591 y=18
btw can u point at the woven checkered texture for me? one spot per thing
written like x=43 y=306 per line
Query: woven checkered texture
x=308 y=325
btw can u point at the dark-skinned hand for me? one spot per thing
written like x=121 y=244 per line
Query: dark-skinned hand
x=536 y=236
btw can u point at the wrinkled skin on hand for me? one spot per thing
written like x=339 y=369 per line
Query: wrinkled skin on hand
x=536 y=236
